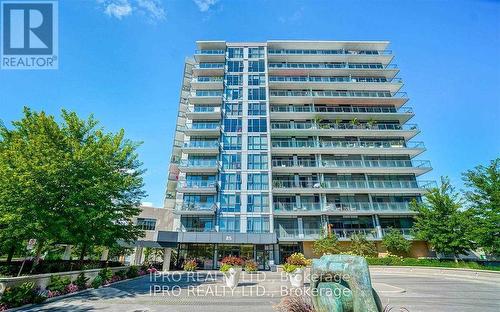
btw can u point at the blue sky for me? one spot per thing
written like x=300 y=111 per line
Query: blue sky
x=122 y=60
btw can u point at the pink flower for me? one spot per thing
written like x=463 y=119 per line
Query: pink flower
x=71 y=288
x=51 y=294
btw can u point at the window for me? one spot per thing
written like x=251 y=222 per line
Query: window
x=256 y=52
x=258 y=224
x=231 y=142
x=235 y=66
x=230 y=202
x=231 y=161
x=256 y=66
x=197 y=224
x=235 y=52
x=257 y=109
x=256 y=80
x=232 y=125
x=229 y=224
x=234 y=94
x=231 y=181
x=234 y=80
x=146 y=224
x=257 y=181
x=257 y=94
x=258 y=203
x=257 y=125
x=257 y=142
x=232 y=109
x=257 y=161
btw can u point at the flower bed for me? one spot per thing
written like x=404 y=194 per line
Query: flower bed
x=400 y=261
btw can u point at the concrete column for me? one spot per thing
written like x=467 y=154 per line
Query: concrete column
x=301 y=227
x=138 y=256
x=67 y=252
x=167 y=254
x=378 y=228
x=104 y=255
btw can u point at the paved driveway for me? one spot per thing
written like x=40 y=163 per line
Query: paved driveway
x=414 y=289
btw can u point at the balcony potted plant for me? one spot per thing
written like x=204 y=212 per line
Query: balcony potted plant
x=231 y=268
x=371 y=122
x=294 y=267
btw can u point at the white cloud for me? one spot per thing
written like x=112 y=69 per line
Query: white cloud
x=204 y=5
x=152 y=9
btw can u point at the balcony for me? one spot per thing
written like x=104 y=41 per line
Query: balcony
x=199 y=165
x=395 y=147
x=208 y=69
x=342 y=208
x=199 y=187
x=345 y=234
x=339 y=55
x=203 y=129
x=406 y=131
x=311 y=186
x=337 y=97
x=204 y=113
x=207 y=83
x=196 y=208
x=417 y=167
x=388 y=71
x=296 y=209
x=288 y=112
x=213 y=97
x=210 y=55
x=335 y=83
x=293 y=234
x=407 y=233
x=201 y=147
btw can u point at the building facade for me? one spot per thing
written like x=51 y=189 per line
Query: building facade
x=280 y=142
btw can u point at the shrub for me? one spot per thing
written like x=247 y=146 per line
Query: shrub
x=298 y=260
x=97 y=282
x=360 y=246
x=327 y=245
x=290 y=268
x=133 y=271
x=396 y=243
x=394 y=260
x=106 y=274
x=81 y=281
x=225 y=268
x=20 y=295
x=295 y=303
x=233 y=261
x=122 y=274
x=190 y=265
x=250 y=266
x=58 y=283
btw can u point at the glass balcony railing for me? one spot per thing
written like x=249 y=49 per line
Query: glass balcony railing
x=332 y=93
x=204 y=109
x=196 y=207
x=202 y=93
x=346 y=144
x=341 y=207
x=203 y=126
x=342 y=126
x=347 y=233
x=199 y=163
x=197 y=184
x=210 y=66
x=210 y=52
x=327 y=52
x=294 y=207
x=331 y=66
x=406 y=232
x=208 y=79
x=339 y=109
x=323 y=79
x=201 y=144
x=353 y=184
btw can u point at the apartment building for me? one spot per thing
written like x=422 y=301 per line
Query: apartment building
x=279 y=142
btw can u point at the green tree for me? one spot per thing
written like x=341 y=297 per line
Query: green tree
x=442 y=221
x=327 y=245
x=483 y=198
x=361 y=246
x=396 y=243
x=67 y=182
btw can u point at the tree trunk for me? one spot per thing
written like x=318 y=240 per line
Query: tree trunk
x=10 y=254
x=36 y=260
x=455 y=257
x=83 y=252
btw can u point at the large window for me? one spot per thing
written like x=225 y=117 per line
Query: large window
x=258 y=203
x=197 y=224
x=232 y=109
x=230 y=202
x=231 y=142
x=146 y=224
x=234 y=94
x=258 y=181
x=229 y=224
x=258 y=224
x=235 y=66
x=256 y=66
x=256 y=52
x=256 y=80
x=235 y=52
x=231 y=181
x=257 y=125
x=232 y=125
x=231 y=161
x=257 y=142
x=234 y=80
x=257 y=94
x=257 y=161
x=257 y=109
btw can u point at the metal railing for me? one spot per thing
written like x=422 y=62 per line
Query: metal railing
x=333 y=79
x=294 y=207
x=201 y=144
x=210 y=52
x=208 y=79
x=196 y=207
x=353 y=184
x=339 y=65
x=199 y=163
x=342 y=126
x=203 y=126
x=210 y=66
x=204 y=109
x=200 y=93
x=327 y=52
x=333 y=93
x=339 y=109
x=197 y=184
x=346 y=144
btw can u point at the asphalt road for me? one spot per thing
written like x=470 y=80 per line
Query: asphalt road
x=412 y=289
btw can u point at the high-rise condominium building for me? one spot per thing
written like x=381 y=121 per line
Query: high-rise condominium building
x=280 y=142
